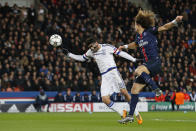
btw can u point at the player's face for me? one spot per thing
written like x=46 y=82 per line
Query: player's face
x=95 y=46
x=136 y=27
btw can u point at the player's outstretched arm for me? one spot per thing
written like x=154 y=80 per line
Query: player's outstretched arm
x=131 y=45
x=127 y=56
x=170 y=24
x=76 y=57
x=81 y=58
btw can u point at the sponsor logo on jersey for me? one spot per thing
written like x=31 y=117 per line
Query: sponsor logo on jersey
x=142 y=43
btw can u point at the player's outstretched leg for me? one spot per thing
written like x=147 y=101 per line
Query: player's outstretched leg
x=137 y=116
x=134 y=99
x=129 y=117
x=128 y=99
x=143 y=77
x=112 y=105
x=148 y=80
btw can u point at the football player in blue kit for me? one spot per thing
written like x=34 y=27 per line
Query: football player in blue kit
x=146 y=39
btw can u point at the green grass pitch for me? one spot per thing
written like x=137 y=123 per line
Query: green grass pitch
x=153 y=121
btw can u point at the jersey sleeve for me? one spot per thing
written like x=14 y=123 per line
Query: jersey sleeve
x=116 y=51
x=88 y=55
x=81 y=58
x=153 y=30
x=112 y=49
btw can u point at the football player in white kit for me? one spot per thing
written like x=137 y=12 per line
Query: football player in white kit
x=111 y=78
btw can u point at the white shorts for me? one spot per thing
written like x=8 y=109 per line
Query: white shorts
x=111 y=82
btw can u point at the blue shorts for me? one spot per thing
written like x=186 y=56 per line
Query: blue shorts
x=154 y=66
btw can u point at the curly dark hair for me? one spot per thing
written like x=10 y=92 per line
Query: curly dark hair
x=90 y=41
x=145 y=18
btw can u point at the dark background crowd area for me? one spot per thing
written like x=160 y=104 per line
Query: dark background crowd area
x=28 y=62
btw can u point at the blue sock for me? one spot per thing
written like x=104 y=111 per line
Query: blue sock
x=133 y=103
x=111 y=104
x=148 y=80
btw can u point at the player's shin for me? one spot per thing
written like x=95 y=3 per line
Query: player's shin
x=115 y=108
x=148 y=80
x=133 y=103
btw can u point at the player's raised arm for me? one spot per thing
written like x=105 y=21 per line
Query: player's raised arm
x=81 y=58
x=170 y=24
x=77 y=57
x=131 y=45
x=124 y=55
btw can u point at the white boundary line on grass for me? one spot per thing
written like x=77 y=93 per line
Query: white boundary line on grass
x=175 y=120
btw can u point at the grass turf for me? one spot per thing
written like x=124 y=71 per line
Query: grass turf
x=153 y=121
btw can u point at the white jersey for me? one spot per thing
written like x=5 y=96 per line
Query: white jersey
x=103 y=57
x=111 y=79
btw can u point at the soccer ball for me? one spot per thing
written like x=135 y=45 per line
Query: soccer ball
x=55 y=40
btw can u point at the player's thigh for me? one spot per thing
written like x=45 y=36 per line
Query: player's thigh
x=106 y=88
x=137 y=87
x=140 y=69
x=119 y=82
x=154 y=66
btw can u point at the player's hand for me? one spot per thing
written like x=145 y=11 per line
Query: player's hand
x=120 y=48
x=65 y=51
x=179 y=18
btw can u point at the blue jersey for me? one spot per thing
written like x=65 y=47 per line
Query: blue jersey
x=147 y=42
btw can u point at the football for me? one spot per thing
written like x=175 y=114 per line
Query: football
x=55 y=40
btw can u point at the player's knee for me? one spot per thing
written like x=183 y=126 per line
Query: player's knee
x=123 y=91
x=138 y=71
x=137 y=87
x=134 y=91
x=141 y=69
x=106 y=100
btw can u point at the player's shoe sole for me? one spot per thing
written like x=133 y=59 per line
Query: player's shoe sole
x=128 y=119
x=139 y=119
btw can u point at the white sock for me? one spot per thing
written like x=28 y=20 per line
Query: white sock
x=115 y=108
x=136 y=112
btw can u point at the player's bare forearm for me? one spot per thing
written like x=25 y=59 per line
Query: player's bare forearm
x=131 y=45
x=170 y=24
x=166 y=26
